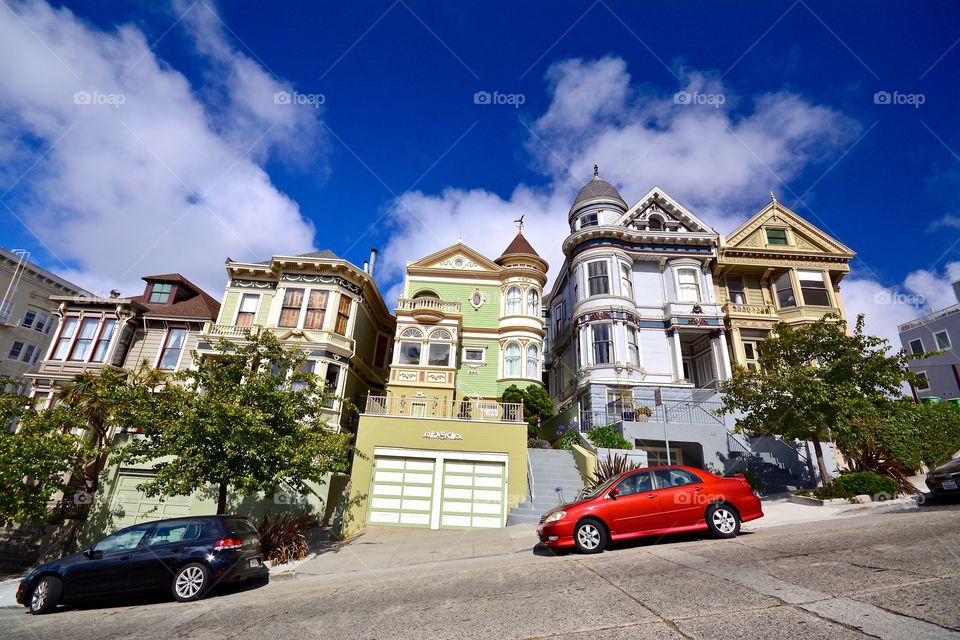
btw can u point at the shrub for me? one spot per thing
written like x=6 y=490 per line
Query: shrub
x=867 y=482
x=831 y=491
x=283 y=539
x=568 y=437
x=608 y=438
x=537 y=443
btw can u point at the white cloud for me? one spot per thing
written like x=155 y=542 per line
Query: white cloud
x=719 y=161
x=154 y=179
x=948 y=221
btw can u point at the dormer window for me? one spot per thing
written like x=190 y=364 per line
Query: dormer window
x=589 y=220
x=777 y=236
x=160 y=293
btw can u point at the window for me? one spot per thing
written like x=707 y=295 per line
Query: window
x=331 y=384
x=15 y=349
x=916 y=346
x=626 y=281
x=667 y=478
x=751 y=352
x=317 y=309
x=514 y=300
x=512 y=360
x=66 y=334
x=654 y=224
x=633 y=348
x=28 y=353
x=923 y=384
x=343 y=315
x=123 y=540
x=602 y=345
x=533 y=362
x=81 y=346
x=308 y=368
x=28 y=318
x=559 y=310
x=290 y=310
x=170 y=355
x=160 y=293
x=735 y=290
x=175 y=532
x=777 y=236
x=942 y=339
x=813 y=288
x=43 y=324
x=103 y=342
x=410 y=346
x=36 y=356
x=248 y=309
x=688 y=285
x=636 y=483
x=598 y=283
x=533 y=303
x=784 y=287
x=589 y=220
x=473 y=354
x=438 y=353
x=380 y=353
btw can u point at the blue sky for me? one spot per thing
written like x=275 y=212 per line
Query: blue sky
x=198 y=161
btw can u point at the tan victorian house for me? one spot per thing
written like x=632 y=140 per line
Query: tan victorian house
x=776 y=267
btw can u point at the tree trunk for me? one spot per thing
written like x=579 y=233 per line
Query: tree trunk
x=824 y=474
x=222 y=499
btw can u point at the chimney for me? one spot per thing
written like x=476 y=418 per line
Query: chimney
x=956 y=290
x=114 y=293
x=366 y=267
x=373 y=261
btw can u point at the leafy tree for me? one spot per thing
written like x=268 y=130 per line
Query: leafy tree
x=249 y=417
x=537 y=404
x=816 y=382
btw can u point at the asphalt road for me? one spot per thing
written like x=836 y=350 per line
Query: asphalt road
x=890 y=575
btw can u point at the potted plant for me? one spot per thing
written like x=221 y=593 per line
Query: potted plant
x=643 y=414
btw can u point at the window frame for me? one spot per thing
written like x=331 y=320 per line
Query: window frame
x=166 y=346
x=513 y=303
x=91 y=340
x=922 y=375
x=732 y=292
x=598 y=277
x=822 y=287
x=535 y=361
x=594 y=342
x=334 y=400
x=633 y=348
x=284 y=306
x=342 y=324
x=324 y=295
x=786 y=275
x=589 y=219
x=508 y=358
x=534 y=305
x=770 y=243
x=161 y=292
x=100 y=339
x=936 y=340
x=559 y=313
x=682 y=286
x=626 y=278
x=417 y=340
x=913 y=351
x=253 y=314
x=434 y=339
x=469 y=361
x=32 y=314
x=66 y=341
x=15 y=356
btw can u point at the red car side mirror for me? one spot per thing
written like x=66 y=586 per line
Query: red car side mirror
x=614 y=492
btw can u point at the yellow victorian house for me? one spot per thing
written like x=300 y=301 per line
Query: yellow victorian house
x=776 y=267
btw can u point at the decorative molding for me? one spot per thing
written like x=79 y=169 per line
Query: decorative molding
x=477 y=299
x=252 y=284
x=442 y=435
x=335 y=280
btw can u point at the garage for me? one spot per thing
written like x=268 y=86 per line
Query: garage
x=402 y=491
x=131 y=506
x=438 y=489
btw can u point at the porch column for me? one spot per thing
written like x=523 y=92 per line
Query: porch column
x=677 y=355
x=737 y=342
x=726 y=372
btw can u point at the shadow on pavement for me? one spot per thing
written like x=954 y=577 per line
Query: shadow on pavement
x=932 y=500
x=646 y=541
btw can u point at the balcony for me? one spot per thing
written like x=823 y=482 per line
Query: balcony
x=235 y=333
x=228 y=331
x=428 y=309
x=761 y=310
x=927 y=319
x=478 y=410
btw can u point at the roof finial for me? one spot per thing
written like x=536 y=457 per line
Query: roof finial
x=773 y=198
x=596 y=171
x=519 y=222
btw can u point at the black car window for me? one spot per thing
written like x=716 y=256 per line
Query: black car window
x=240 y=526
x=667 y=478
x=167 y=532
x=636 y=483
x=124 y=539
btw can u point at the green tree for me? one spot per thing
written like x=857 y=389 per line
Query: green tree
x=249 y=417
x=537 y=404
x=816 y=382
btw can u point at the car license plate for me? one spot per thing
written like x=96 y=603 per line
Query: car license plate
x=254 y=563
x=949 y=485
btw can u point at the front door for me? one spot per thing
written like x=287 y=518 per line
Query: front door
x=636 y=507
x=107 y=569
x=681 y=497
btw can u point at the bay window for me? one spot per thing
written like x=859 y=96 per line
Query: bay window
x=784 y=288
x=533 y=303
x=248 y=309
x=316 y=309
x=172 y=347
x=514 y=301
x=512 y=360
x=411 y=344
x=66 y=335
x=103 y=341
x=290 y=311
x=598 y=283
x=626 y=281
x=602 y=343
x=688 y=286
x=439 y=349
x=633 y=346
x=813 y=288
x=81 y=346
x=343 y=315
x=533 y=362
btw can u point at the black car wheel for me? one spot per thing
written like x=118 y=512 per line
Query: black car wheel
x=590 y=536
x=45 y=595
x=191 y=582
x=723 y=520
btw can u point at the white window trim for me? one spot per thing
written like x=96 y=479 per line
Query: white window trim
x=936 y=342
x=698 y=276
x=236 y=314
x=612 y=340
x=526 y=361
x=163 y=346
x=621 y=265
x=586 y=274
x=101 y=319
x=474 y=363
x=910 y=342
x=925 y=377
x=627 y=329
x=520 y=362
x=506 y=302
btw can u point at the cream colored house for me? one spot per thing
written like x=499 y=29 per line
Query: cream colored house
x=28 y=318
x=776 y=267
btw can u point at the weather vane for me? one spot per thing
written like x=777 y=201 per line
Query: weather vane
x=519 y=221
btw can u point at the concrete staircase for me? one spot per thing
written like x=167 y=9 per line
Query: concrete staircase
x=550 y=469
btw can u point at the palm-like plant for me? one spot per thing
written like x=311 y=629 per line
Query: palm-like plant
x=612 y=466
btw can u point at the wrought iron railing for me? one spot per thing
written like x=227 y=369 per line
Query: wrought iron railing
x=690 y=411
x=936 y=315
x=421 y=407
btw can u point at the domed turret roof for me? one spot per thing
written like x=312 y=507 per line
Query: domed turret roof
x=598 y=188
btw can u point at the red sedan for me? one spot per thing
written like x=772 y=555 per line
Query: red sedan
x=654 y=501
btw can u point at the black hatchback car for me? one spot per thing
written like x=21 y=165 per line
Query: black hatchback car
x=185 y=556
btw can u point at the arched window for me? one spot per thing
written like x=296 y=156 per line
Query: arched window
x=533 y=303
x=425 y=293
x=411 y=345
x=440 y=348
x=533 y=362
x=514 y=301
x=512 y=361
x=654 y=224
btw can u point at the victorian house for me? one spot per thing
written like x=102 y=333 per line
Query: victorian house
x=777 y=267
x=637 y=333
x=440 y=449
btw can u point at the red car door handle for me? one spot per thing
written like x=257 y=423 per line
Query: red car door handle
x=652 y=496
x=698 y=489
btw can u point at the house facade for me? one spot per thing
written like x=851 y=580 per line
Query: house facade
x=28 y=318
x=776 y=267
x=938 y=335
x=439 y=449
x=635 y=324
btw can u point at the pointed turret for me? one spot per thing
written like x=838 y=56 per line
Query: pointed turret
x=521 y=251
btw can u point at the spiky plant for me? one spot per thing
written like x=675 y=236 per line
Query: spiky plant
x=283 y=539
x=612 y=466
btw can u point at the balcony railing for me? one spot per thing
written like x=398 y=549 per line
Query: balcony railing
x=436 y=304
x=228 y=331
x=691 y=411
x=480 y=410
x=233 y=332
x=936 y=315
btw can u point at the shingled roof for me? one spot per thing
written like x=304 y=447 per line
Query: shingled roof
x=199 y=305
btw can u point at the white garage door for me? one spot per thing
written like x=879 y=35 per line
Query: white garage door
x=401 y=492
x=131 y=506
x=473 y=495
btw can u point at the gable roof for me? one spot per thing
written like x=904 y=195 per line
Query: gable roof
x=323 y=253
x=738 y=238
x=433 y=259
x=674 y=208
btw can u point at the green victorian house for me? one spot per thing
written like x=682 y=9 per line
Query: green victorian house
x=440 y=450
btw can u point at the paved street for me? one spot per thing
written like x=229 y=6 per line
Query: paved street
x=890 y=575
